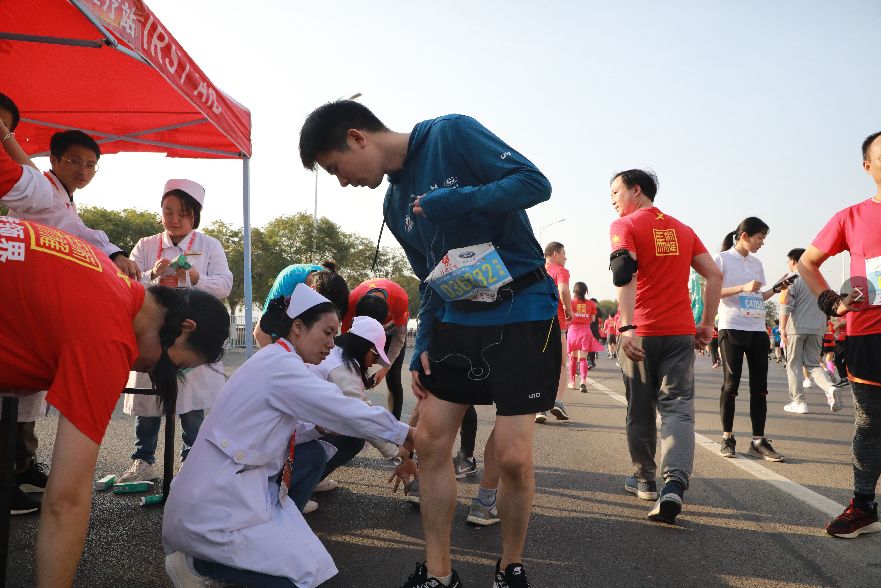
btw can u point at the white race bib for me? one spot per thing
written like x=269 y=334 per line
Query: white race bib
x=752 y=305
x=470 y=273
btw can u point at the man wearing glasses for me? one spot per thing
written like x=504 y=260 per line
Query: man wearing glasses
x=74 y=159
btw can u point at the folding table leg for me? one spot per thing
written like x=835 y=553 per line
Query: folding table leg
x=7 y=476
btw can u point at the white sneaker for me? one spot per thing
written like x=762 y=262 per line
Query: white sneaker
x=797 y=407
x=179 y=567
x=806 y=383
x=571 y=385
x=311 y=506
x=326 y=485
x=139 y=471
x=832 y=399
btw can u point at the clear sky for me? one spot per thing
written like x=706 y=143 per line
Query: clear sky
x=748 y=108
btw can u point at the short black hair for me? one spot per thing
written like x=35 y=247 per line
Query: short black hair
x=64 y=140
x=868 y=143
x=328 y=125
x=189 y=203
x=553 y=247
x=646 y=180
x=332 y=286
x=795 y=254
x=375 y=307
x=6 y=103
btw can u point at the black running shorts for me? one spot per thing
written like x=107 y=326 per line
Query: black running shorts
x=514 y=366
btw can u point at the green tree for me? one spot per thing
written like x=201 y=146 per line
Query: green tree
x=124 y=227
x=607 y=308
x=770 y=312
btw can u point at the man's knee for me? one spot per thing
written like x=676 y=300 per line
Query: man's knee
x=514 y=463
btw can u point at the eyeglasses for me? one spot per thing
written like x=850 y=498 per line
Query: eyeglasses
x=90 y=166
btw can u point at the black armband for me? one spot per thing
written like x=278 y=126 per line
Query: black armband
x=623 y=267
x=828 y=302
x=626 y=328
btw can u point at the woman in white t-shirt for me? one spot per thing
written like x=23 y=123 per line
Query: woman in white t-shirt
x=742 y=333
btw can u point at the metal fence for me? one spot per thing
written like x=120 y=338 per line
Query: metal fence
x=237 y=332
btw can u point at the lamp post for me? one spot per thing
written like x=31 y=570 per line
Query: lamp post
x=354 y=96
x=541 y=230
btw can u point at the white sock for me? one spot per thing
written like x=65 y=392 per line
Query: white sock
x=758 y=441
x=446 y=580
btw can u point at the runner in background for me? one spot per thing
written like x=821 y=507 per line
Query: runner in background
x=714 y=347
x=855 y=229
x=580 y=340
x=612 y=335
x=742 y=332
x=595 y=331
x=555 y=264
x=841 y=352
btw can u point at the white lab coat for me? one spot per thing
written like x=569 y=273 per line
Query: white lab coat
x=63 y=215
x=224 y=505
x=201 y=385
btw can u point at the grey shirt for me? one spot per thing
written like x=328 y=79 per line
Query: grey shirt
x=805 y=317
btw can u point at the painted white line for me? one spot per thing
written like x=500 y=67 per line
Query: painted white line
x=806 y=495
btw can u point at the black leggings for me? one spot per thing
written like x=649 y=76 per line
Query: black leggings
x=714 y=350
x=395 y=389
x=468 y=432
x=347 y=449
x=734 y=345
x=840 y=361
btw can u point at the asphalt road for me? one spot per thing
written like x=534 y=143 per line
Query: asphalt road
x=736 y=529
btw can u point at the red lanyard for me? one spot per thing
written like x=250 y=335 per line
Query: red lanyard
x=187 y=250
x=289 y=462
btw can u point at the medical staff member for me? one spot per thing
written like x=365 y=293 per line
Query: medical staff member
x=226 y=518
x=89 y=324
x=181 y=203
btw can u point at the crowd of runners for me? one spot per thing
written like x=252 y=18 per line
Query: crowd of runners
x=500 y=323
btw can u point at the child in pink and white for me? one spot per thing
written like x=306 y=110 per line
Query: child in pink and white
x=580 y=340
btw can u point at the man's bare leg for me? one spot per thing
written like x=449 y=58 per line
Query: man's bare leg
x=513 y=449
x=66 y=506
x=490 y=478
x=439 y=423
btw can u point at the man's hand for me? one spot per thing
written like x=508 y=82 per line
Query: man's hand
x=128 y=267
x=784 y=339
x=849 y=303
x=567 y=312
x=703 y=335
x=417 y=207
x=631 y=345
x=418 y=389
x=752 y=286
x=194 y=276
x=406 y=471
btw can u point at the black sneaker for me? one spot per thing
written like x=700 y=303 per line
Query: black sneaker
x=583 y=388
x=855 y=521
x=420 y=579
x=514 y=576
x=464 y=466
x=22 y=503
x=668 y=506
x=33 y=479
x=729 y=447
x=764 y=451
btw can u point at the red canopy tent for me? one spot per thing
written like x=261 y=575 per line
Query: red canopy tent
x=111 y=69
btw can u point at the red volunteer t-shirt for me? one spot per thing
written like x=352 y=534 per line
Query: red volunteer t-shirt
x=10 y=172
x=583 y=312
x=560 y=275
x=857 y=229
x=396 y=296
x=664 y=249
x=66 y=312
x=612 y=325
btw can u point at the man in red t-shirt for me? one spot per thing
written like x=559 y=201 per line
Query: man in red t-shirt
x=651 y=256
x=612 y=335
x=395 y=323
x=555 y=264
x=74 y=324
x=856 y=229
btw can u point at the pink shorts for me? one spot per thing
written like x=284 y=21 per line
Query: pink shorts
x=580 y=338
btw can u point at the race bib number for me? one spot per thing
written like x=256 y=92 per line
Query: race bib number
x=873 y=276
x=470 y=273
x=752 y=305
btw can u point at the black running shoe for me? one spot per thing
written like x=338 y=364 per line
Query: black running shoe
x=855 y=521
x=514 y=576
x=764 y=451
x=729 y=447
x=22 y=503
x=583 y=388
x=668 y=506
x=33 y=479
x=421 y=579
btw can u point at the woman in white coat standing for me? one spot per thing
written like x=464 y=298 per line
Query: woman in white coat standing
x=181 y=211
x=226 y=518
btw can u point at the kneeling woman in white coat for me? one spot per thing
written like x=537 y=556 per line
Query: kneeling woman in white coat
x=225 y=518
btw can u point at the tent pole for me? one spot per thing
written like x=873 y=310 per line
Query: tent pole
x=246 y=232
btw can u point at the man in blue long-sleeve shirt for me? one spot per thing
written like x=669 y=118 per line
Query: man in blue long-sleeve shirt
x=452 y=185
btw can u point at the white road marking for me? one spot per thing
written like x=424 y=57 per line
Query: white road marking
x=806 y=495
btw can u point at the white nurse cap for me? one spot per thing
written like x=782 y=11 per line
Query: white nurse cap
x=189 y=186
x=303 y=299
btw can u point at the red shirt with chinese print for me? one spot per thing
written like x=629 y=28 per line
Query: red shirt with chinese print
x=66 y=313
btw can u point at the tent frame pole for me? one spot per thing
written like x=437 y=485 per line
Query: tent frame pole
x=246 y=233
